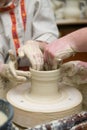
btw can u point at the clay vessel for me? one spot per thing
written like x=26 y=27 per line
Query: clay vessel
x=43 y=99
x=72 y=9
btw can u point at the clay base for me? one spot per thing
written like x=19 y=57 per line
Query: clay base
x=31 y=110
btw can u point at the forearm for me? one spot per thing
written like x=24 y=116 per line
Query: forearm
x=42 y=45
x=78 y=40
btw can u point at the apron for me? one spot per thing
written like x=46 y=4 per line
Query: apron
x=10 y=8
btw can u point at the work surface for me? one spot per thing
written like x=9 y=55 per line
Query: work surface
x=74 y=122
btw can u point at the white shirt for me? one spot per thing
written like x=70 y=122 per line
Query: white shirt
x=40 y=25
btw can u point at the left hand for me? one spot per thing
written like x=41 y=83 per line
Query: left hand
x=32 y=51
x=73 y=72
x=11 y=73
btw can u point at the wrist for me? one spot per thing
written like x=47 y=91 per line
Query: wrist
x=3 y=69
x=42 y=45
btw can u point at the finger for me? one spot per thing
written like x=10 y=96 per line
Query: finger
x=8 y=75
x=16 y=78
x=64 y=54
x=50 y=62
x=31 y=57
x=46 y=55
x=12 y=55
x=39 y=61
x=21 y=79
x=42 y=62
x=46 y=66
x=20 y=53
x=11 y=52
x=12 y=69
x=41 y=65
x=23 y=73
x=59 y=62
x=54 y=67
x=33 y=62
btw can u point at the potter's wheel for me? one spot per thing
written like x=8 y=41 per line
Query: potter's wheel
x=31 y=110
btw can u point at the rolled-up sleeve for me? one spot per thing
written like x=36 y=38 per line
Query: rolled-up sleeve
x=44 y=25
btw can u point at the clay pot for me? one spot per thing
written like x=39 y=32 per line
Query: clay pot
x=44 y=83
x=43 y=99
x=72 y=9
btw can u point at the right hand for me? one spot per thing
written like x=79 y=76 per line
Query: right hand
x=10 y=72
x=56 y=51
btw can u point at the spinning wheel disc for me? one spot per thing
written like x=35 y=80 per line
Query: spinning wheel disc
x=31 y=110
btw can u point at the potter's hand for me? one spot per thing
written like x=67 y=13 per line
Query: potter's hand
x=59 y=49
x=9 y=70
x=74 y=72
x=32 y=51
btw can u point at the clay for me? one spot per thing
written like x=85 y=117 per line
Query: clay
x=3 y=118
x=43 y=99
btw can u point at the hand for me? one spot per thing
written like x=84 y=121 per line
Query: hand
x=10 y=72
x=73 y=72
x=32 y=51
x=56 y=51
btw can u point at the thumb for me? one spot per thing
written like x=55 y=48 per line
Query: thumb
x=12 y=55
x=20 y=53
